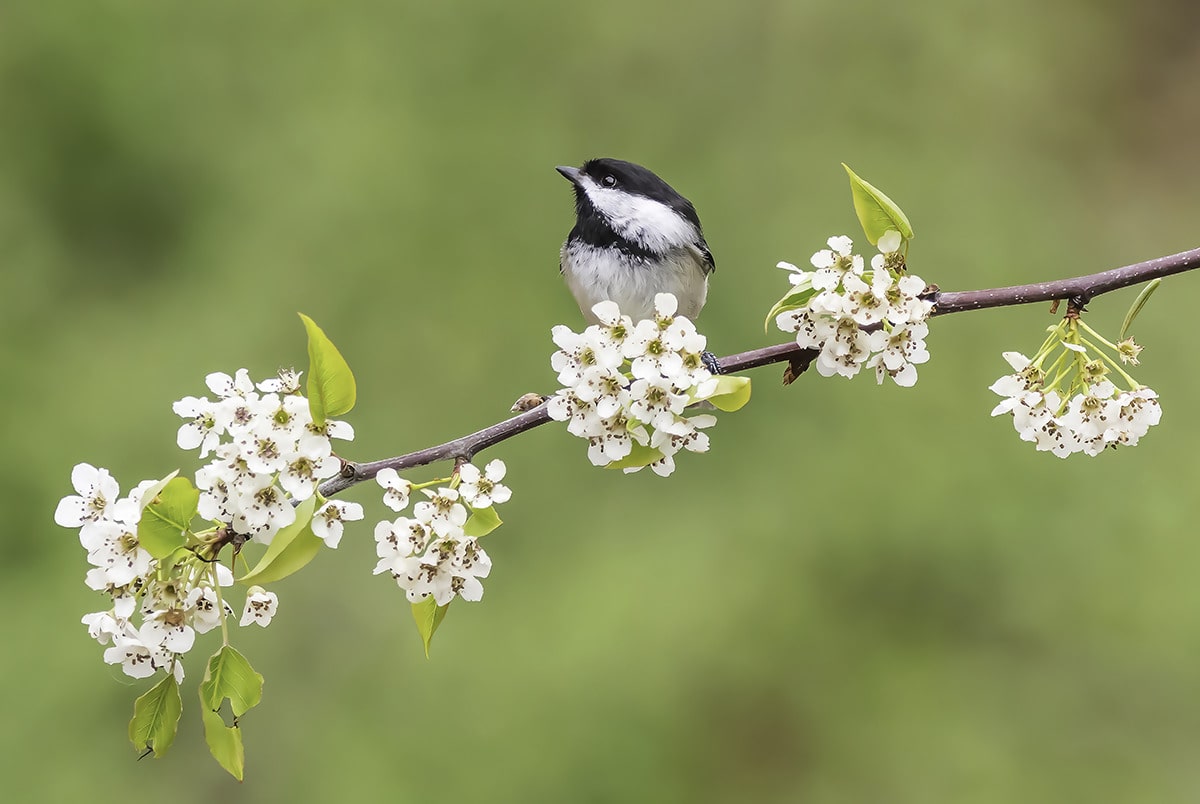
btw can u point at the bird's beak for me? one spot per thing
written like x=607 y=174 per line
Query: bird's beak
x=569 y=173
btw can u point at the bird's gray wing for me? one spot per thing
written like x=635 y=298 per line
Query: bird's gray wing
x=701 y=252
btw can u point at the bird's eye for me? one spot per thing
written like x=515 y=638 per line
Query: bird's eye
x=610 y=181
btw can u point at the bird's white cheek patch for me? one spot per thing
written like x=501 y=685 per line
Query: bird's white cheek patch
x=650 y=224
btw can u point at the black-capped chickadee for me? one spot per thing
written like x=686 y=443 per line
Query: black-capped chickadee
x=634 y=237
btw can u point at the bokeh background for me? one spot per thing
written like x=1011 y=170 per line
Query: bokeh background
x=860 y=594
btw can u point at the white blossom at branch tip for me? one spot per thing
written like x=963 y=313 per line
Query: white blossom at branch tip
x=264 y=454
x=1096 y=418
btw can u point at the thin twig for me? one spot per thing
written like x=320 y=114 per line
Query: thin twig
x=1079 y=290
x=1084 y=288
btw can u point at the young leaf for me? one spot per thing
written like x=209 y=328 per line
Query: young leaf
x=876 y=212
x=229 y=675
x=224 y=743
x=732 y=393
x=291 y=549
x=482 y=522
x=428 y=615
x=165 y=519
x=149 y=495
x=792 y=300
x=331 y=388
x=1137 y=306
x=156 y=717
x=639 y=456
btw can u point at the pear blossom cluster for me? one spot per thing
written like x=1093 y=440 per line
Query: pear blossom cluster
x=267 y=454
x=628 y=385
x=429 y=554
x=1071 y=406
x=857 y=315
x=155 y=609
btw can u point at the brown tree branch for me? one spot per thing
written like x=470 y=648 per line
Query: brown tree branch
x=1080 y=290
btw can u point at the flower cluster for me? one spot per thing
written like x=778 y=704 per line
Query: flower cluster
x=157 y=608
x=430 y=554
x=267 y=453
x=627 y=386
x=858 y=316
x=1063 y=401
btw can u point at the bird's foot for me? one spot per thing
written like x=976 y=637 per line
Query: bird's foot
x=710 y=362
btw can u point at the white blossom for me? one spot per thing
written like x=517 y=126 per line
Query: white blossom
x=442 y=512
x=202 y=606
x=97 y=498
x=835 y=263
x=327 y=521
x=624 y=381
x=1096 y=418
x=483 y=489
x=857 y=316
x=134 y=657
x=168 y=630
x=113 y=548
x=395 y=489
x=260 y=607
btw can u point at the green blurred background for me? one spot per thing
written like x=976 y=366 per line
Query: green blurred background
x=860 y=594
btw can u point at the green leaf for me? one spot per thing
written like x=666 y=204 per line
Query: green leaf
x=156 y=717
x=331 y=388
x=428 y=615
x=876 y=212
x=792 y=300
x=640 y=456
x=165 y=519
x=290 y=550
x=224 y=743
x=482 y=522
x=732 y=393
x=1137 y=306
x=149 y=495
x=228 y=677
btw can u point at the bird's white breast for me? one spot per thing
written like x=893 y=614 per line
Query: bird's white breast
x=595 y=274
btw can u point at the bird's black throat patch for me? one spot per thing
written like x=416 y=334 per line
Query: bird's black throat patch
x=593 y=229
